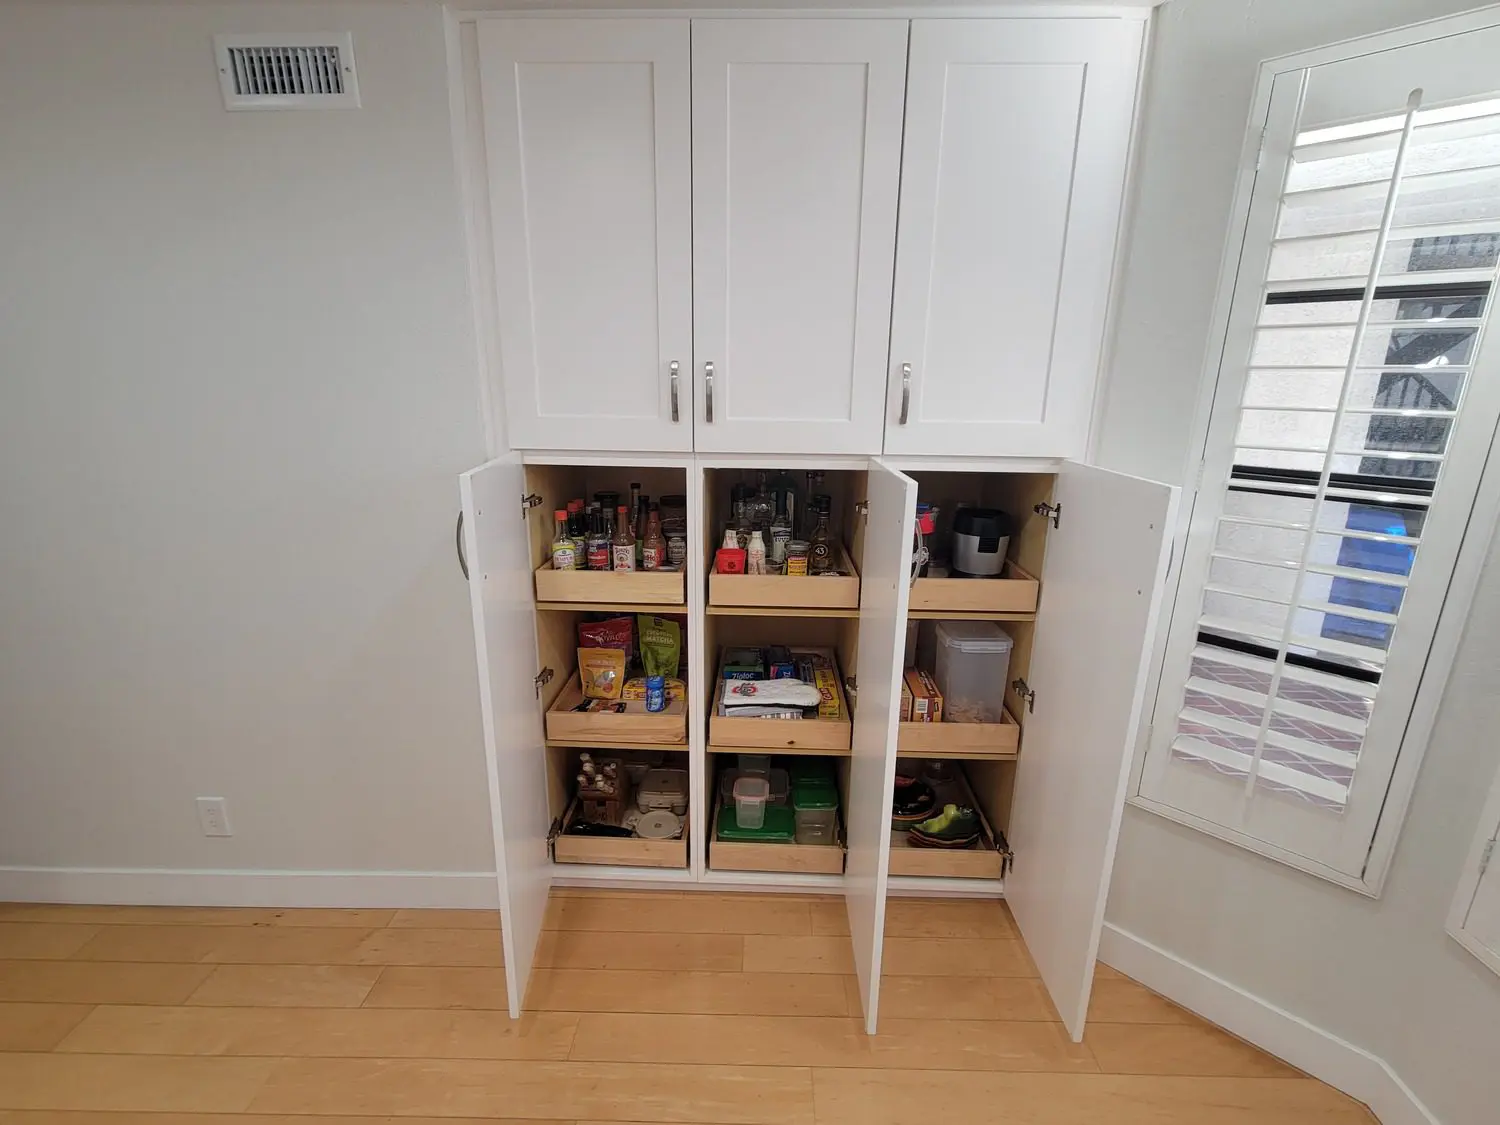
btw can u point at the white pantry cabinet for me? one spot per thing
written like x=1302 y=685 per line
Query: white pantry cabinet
x=796 y=165
x=1057 y=795
x=586 y=131
x=1012 y=176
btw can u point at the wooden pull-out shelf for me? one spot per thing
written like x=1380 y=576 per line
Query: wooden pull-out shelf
x=830 y=736
x=1017 y=592
x=641 y=587
x=618 y=852
x=790 y=592
x=983 y=861
x=782 y=859
x=634 y=725
x=1000 y=741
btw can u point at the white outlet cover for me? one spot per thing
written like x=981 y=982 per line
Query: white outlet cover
x=213 y=816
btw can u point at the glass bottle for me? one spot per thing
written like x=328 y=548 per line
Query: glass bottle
x=809 y=502
x=755 y=554
x=762 y=509
x=654 y=547
x=787 y=495
x=642 y=509
x=781 y=535
x=563 y=555
x=623 y=543
x=578 y=532
x=598 y=540
x=820 y=547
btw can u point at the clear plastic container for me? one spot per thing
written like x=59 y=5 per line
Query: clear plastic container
x=755 y=765
x=750 y=797
x=781 y=793
x=816 y=809
x=972 y=669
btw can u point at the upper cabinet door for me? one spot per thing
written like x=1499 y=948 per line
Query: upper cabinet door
x=499 y=560
x=1013 y=173
x=1101 y=594
x=796 y=164
x=884 y=593
x=587 y=129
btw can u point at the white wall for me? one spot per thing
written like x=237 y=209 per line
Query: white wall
x=237 y=382
x=1380 y=974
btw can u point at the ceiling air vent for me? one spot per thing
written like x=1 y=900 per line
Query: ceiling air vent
x=287 y=71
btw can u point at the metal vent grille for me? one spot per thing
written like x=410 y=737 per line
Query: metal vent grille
x=287 y=71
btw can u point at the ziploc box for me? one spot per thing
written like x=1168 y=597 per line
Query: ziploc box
x=779 y=663
x=744 y=664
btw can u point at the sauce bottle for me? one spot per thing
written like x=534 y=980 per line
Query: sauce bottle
x=598 y=541
x=654 y=546
x=623 y=543
x=564 y=557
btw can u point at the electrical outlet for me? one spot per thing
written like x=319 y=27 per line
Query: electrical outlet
x=213 y=816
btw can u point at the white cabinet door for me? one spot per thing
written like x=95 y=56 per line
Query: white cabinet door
x=885 y=589
x=1013 y=172
x=505 y=644
x=1101 y=594
x=587 y=129
x=1474 y=920
x=796 y=163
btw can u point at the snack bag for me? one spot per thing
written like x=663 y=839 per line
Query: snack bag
x=661 y=645
x=601 y=672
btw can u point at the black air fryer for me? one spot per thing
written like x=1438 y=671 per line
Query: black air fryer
x=981 y=536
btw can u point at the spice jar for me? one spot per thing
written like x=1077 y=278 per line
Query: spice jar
x=796 y=557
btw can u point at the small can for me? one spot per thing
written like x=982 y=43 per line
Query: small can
x=796 y=557
x=656 y=693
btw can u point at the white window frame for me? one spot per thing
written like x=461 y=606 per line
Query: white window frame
x=1483 y=517
x=1474 y=872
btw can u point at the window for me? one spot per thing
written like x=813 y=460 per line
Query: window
x=1353 y=412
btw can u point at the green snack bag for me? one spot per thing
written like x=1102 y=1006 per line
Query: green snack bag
x=661 y=645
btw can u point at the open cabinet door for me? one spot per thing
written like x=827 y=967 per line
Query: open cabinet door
x=884 y=590
x=515 y=759
x=1106 y=566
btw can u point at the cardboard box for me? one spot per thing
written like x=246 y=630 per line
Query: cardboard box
x=927 y=701
x=905 y=716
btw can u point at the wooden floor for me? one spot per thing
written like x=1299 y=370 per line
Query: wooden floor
x=648 y=1007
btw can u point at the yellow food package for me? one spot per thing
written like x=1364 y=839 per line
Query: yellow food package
x=601 y=672
x=635 y=690
x=827 y=682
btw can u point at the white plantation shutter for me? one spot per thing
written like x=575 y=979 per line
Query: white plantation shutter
x=1337 y=479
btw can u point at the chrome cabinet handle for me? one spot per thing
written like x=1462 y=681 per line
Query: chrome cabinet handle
x=905 y=392
x=676 y=417
x=708 y=388
x=458 y=535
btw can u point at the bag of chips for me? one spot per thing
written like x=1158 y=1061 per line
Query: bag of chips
x=617 y=632
x=601 y=672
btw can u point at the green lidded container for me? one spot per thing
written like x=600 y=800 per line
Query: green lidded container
x=780 y=827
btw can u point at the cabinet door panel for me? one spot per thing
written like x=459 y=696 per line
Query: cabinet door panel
x=587 y=131
x=796 y=163
x=1101 y=594
x=885 y=588
x=1017 y=135
x=505 y=644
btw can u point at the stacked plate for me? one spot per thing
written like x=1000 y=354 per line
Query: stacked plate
x=913 y=803
x=956 y=827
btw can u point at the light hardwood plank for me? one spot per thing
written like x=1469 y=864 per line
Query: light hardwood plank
x=815 y=1041
x=964 y=998
x=193 y=915
x=926 y=918
x=765 y=954
x=561 y=949
x=692 y=993
x=437 y=987
x=956 y=957
x=331 y=1032
x=1120 y=1000
x=38 y=1027
x=236 y=945
x=274 y=986
x=466 y=947
x=705 y=914
x=1123 y=1048
x=108 y=1082
x=742 y=1095
x=81 y=982
x=898 y=1097
x=42 y=940
x=88 y=1117
x=446 y=920
x=1105 y=972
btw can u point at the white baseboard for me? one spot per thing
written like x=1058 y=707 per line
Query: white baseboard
x=1353 y=1070
x=163 y=887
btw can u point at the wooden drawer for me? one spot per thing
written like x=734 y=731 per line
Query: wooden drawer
x=983 y=861
x=641 y=587
x=633 y=725
x=829 y=736
x=796 y=592
x=797 y=859
x=1016 y=592
x=1000 y=740
x=631 y=852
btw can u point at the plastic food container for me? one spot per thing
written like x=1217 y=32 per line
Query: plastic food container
x=972 y=670
x=755 y=765
x=816 y=809
x=781 y=793
x=750 y=797
x=663 y=789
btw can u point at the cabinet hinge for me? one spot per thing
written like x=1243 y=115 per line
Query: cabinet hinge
x=529 y=501
x=862 y=508
x=1023 y=689
x=1052 y=512
x=1484 y=859
x=541 y=678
